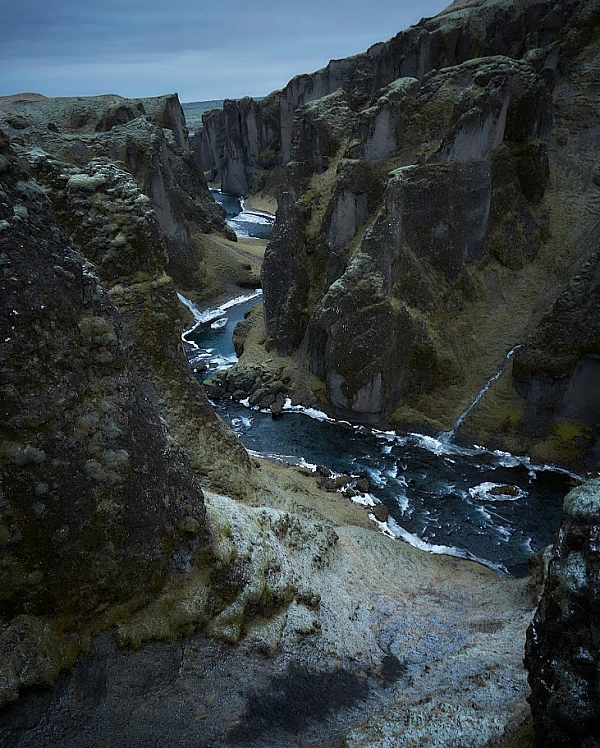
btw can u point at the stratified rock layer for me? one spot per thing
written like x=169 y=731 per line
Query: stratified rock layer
x=563 y=642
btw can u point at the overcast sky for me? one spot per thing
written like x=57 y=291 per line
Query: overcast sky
x=207 y=49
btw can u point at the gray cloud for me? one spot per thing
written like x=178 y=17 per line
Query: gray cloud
x=203 y=50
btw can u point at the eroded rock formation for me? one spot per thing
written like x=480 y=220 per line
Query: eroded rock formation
x=105 y=434
x=98 y=506
x=245 y=140
x=563 y=642
x=149 y=137
x=437 y=196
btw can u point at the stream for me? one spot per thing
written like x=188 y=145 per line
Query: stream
x=488 y=506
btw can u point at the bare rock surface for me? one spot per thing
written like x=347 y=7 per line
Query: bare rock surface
x=367 y=650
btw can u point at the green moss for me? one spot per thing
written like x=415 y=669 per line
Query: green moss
x=567 y=441
x=569 y=438
x=33 y=651
x=512 y=418
x=568 y=431
x=179 y=610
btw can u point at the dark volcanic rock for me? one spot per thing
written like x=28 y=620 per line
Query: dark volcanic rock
x=95 y=500
x=247 y=139
x=104 y=431
x=437 y=195
x=377 y=333
x=563 y=642
x=148 y=137
x=557 y=371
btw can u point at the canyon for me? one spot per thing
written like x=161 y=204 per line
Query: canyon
x=437 y=205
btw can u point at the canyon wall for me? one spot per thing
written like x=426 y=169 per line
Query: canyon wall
x=149 y=137
x=105 y=434
x=244 y=140
x=438 y=206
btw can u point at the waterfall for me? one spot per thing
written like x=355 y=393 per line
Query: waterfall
x=446 y=437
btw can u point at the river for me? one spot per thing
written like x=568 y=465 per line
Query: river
x=489 y=506
x=247 y=224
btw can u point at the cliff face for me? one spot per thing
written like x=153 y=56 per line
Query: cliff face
x=104 y=432
x=562 y=652
x=246 y=139
x=438 y=195
x=149 y=137
x=95 y=500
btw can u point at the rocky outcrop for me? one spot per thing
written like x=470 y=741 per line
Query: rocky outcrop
x=329 y=635
x=105 y=434
x=557 y=373
x=243 y=142
x=383 y=254
x=562 y=652
x=98 y=506
x=432 y=211
x=147 y=136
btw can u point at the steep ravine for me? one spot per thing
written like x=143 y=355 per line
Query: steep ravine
x=158 y=586
x=289 y=595
x=438 y=205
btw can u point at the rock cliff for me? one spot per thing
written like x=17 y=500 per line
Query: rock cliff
x=150 y=139
x=438 y=198
x=247 y=138
x=562 y=652
x=104 y=435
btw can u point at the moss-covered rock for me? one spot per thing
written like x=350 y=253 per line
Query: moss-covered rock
x=146 y=136
x=562 y=642
x=104 y=431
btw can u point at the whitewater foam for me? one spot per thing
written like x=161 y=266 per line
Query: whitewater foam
x=213 y=313
x=393 y=530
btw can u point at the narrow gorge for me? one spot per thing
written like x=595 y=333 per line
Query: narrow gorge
x=438 y=206
x=432 y=281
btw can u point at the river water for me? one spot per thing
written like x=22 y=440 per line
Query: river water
x=247 y=224
x=492 y=507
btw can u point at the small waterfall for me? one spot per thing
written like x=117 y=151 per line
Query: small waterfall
x=446 y=437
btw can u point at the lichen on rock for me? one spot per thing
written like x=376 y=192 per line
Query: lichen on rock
x=98 y=497
x=562 y=642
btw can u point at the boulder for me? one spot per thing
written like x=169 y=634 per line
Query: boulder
x=380 y=512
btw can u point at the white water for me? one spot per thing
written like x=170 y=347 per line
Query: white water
x=439 y=491
x=214 y=313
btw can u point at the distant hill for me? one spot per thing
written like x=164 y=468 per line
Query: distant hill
x=194 y=110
